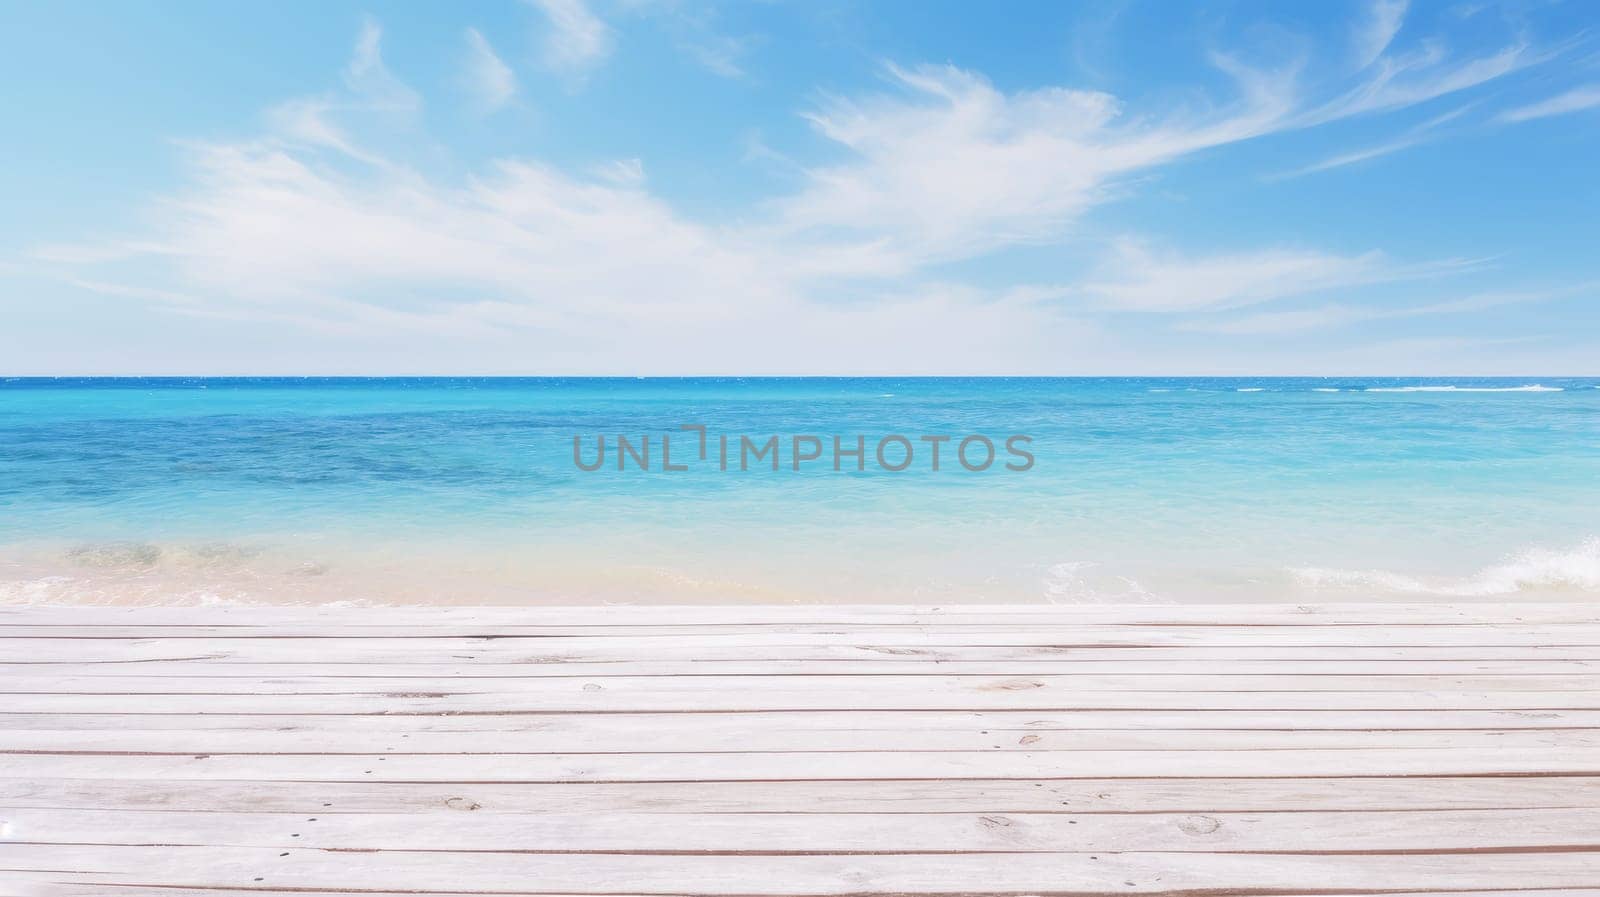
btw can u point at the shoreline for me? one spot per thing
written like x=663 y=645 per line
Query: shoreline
x=459 y=573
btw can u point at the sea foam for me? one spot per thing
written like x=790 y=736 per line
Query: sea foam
x=1532 y=387
x=1071 y=582
x=1535 y=569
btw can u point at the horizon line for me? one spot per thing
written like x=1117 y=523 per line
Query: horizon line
x=11 y=378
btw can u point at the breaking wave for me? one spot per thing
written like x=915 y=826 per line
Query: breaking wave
x=1576 y=570
x=1085 y=582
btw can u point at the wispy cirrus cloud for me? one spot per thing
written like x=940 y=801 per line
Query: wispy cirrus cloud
x=369 y=90
x=1377 y=30
x=719 y=54
x=950 y=167
x=1138 y=278
x=577 y=40
x=1392 y=80
x=1340 y=314
x=1340 y=160
x=1399 y=81
x=488 y=79
x=1575 y=100
x=694 y=29
x=311 y=225
x=368 y=78
x=1413 y=136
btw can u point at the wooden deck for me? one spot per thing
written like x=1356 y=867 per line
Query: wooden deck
x=1269 y=750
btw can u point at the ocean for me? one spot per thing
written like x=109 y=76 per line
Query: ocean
x=468 y=491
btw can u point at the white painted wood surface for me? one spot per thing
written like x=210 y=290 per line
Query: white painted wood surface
x=1266 y=750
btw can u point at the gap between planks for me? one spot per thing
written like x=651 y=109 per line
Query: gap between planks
x=1373 y=749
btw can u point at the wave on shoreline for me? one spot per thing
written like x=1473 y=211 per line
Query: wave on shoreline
x=1531 y=570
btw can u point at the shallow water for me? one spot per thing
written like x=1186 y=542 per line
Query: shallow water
x=466 y=491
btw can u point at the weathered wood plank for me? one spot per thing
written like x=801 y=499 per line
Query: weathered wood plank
x=605 y=734
x=355 y=651
x=839 y=833
x=640 y=640
x=810 y=633
x=1165 y=795
x=213 y=668
x=803 y=765
x=1270 y=750
x=785 y=683
x=129 y=717
x=1350 y=613
x=670 y=695
x=75 y=889
x=826 y=874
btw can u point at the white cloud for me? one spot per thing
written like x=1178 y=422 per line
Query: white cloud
x=490 y=81
x=694 y=30
x=577 y=40
x=719 y=54
x=267 y=227
x=951 y=167
x=370 y=89
x=1354 y=156
x=1415 y=78
x=1575 y=100
x=1340 y=314
x=1139 y=279
x=308 y=226
x=624 y=172
x=1373 y=35
x=590 y=276
x=368 y=78
x=1420 y=134
x=1276 y=322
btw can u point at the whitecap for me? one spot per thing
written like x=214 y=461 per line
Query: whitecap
x=1532 y=387
x=1250 y=389
x=1324 y=389
x=1535 y=569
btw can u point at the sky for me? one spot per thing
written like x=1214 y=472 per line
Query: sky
x=675 y=187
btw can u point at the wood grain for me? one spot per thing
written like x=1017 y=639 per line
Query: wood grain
x=1269 y=750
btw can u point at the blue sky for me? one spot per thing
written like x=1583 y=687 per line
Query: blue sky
x=660 y=187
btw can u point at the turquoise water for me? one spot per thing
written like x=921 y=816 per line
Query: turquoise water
x=466 y=491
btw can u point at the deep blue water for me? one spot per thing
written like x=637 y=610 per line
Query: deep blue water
x=407 y=489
